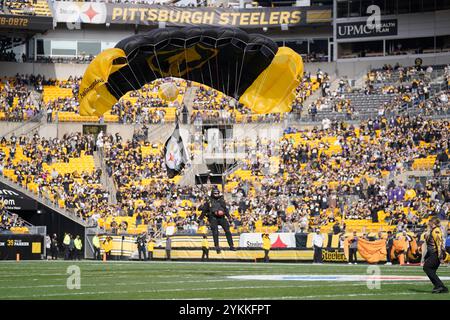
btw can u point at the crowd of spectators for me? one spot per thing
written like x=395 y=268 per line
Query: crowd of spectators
x=55 y=59
x=29 y=159
x=408 y=90
x=24 y=6
x=16 y=101
x=325 y=175
x=178 y=3
x=350 y=183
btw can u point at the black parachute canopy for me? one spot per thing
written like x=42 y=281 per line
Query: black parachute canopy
x=224 y=58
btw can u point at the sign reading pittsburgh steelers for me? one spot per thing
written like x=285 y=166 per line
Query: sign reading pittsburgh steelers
x=100 y=13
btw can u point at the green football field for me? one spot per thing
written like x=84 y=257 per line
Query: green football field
x=211 y=280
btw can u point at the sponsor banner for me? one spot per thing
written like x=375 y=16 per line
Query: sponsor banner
x=86 y=12
x=333 y=255
x=240 y=255
x=277 y=240
x=137 y=14
x=15 y=200
x=361 y=29
x=30 y=247
x=189 y=247
x=8 y=21
x=126 y=245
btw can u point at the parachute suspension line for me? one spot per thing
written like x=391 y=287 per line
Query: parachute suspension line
x=210 y=74
x=115 y=91
x=240 y=72
x=201 y=74
x=157 y=61
x=235 y=81
x=217 y=68
x=134 y=75
x=127 y=81
x=156 y=77
x=186 y=61
x=228 y=78
x=179 y=70
x=141 y=73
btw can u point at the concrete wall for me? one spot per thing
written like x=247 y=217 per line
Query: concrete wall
x=64 y=70
x=50 y=70
x=353 y=68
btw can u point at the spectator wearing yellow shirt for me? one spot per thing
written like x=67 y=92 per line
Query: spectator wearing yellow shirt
x=107 y=247
x=78 y=247
x=266 y=246
x=205 y=248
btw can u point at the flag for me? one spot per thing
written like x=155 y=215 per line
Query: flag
x=174 y=154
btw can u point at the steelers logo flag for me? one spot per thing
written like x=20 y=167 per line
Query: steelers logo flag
x=174 y=154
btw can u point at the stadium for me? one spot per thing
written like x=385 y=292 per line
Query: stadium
x=219 y=149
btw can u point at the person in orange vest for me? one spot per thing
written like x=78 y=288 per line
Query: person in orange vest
x=266 y=246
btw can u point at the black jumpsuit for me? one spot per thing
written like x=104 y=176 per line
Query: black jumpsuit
x=209 y=209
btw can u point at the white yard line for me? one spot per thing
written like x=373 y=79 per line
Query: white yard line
x=331 y=296
x=194 y=289
x=310 y=285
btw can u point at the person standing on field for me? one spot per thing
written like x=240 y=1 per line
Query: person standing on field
x=168 y=247
x=150 y=248
x=318 y=245
x=353 y=249
x=266 y=246
x=205 y=248
x=66 y=243
x=96 y=245
x=435 y=253
x=78 y=245
x=54 y=247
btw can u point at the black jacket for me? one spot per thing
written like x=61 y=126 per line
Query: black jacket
x=209 y=208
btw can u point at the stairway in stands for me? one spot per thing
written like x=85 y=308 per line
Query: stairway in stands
x=106 y=181
x=188 y=99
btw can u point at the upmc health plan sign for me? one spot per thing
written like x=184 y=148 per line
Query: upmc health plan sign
x=361 y=29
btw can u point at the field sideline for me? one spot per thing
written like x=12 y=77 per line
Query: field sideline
x=196 y=280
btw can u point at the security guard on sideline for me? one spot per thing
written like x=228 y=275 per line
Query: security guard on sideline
x=96 y=244
x=205 y=248
x=141 y=242
x=266 y=246
x=435 y=252
x=66 y=243
x=216 y=210
x=78 y=246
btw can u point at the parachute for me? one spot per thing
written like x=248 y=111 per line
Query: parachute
x=248 y=67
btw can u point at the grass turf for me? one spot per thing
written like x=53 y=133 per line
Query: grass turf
x=195 y=280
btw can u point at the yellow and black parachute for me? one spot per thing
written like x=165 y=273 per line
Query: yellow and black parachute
x=248 y=67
